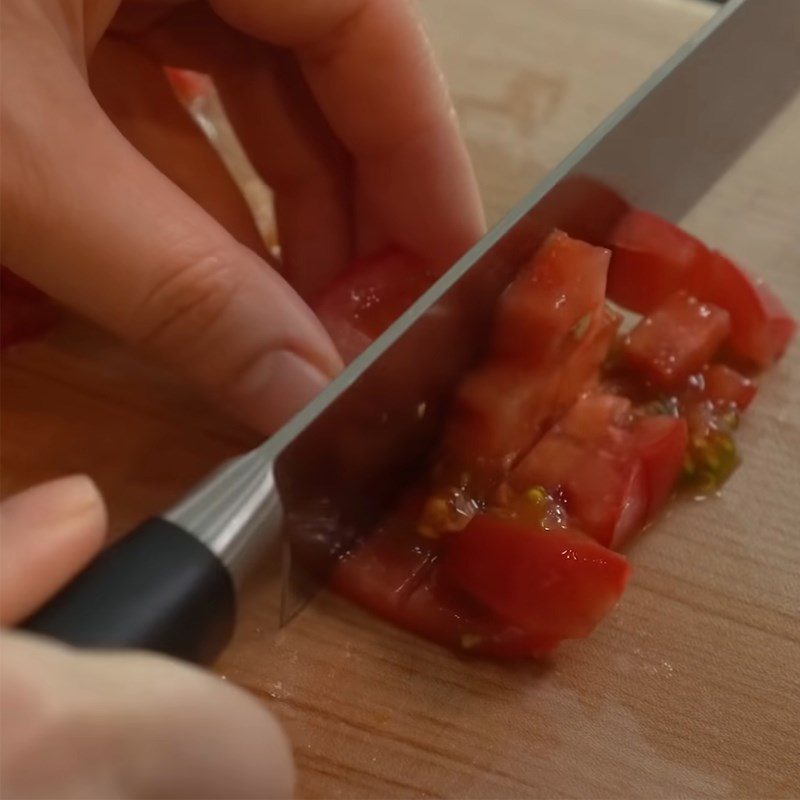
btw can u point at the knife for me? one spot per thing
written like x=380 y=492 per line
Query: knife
x=311 y=491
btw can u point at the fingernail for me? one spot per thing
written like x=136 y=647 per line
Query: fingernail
x=276 y=388
x=49 y=532
x=65 y=503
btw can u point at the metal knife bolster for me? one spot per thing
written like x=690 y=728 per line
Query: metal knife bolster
x=236 y=513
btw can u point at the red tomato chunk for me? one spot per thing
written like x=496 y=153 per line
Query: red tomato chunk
x=652 y=259
x=368 y=297
x=676 y=340
x=552 y=584
x=761 y=327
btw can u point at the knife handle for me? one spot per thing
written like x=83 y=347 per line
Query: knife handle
x=159 y=588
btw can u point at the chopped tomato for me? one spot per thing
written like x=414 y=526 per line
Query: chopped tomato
x=651 y=259
x=761 y=327
x=553 y=584
x=547 y=349
x=676 y=340
x=603 y=493
x=397 y=575
x=660 y=442
x=536 y=312
x=725 y=387
x=368 y=297
x=612 y=470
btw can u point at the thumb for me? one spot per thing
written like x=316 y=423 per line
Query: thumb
x=90 y=221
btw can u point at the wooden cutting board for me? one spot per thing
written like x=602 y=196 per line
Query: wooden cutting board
x=692 y=686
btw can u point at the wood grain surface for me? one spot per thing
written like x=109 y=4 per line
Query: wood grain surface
x=691 y=687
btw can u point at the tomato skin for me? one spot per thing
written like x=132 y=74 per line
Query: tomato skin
x=369 y=296
x=725 y=387
x=676 y=340
x=651 y=260
x=552 y=584
x=761 y=327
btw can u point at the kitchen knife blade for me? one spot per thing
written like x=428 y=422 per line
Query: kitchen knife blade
x=663 y=149
x=319 y=484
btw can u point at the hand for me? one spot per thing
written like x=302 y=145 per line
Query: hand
x=111 y=725
x=114 y=204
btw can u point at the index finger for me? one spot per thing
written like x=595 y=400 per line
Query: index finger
x=373 y=73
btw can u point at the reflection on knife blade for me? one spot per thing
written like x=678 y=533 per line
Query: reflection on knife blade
x=662 y=149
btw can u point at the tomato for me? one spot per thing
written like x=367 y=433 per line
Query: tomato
x=613 y=470
x=725 y=387
x=660 y=442
x=548 y=345
x=651 y=259
x=761 y=327
x=397 y=574
x=552 y=584
x=371 y=294
x=676 y=339
x=536 y=312
x=603 y=493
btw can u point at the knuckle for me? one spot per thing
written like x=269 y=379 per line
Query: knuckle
x=192 y=293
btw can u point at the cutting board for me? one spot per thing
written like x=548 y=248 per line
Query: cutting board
x=691 y=687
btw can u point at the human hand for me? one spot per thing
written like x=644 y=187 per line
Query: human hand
x=111 y=724
x=120 y=209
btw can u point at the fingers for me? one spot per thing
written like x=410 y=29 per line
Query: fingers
x=90 y=221
x=129 y=726
x=283 y=131
x=47 y=533
x=137 y=97
x=371 y=70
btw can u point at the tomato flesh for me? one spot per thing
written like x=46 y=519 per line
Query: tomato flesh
x=536 y=312
x=552 y=584
x=368 y=297
x=761 y=327
x=652 y=259
x=613 y=471
x=547 y=349
x=676 y=339
x=397 y=574
x=726 y=388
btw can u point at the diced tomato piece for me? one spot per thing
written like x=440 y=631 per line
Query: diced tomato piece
x=651 y=260
x=604 y=493
x=725 y=387
x=660 y=442
x=553 y=295
x=676 y=340
x=553 y=584
x=369 y=296
x=761 y=327
x=613 y=471
x=552 y=334
x=395 y=574
x=498 y=412
x=581 y=370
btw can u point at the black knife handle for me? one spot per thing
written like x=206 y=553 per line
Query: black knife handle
x=158 y=589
